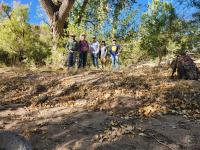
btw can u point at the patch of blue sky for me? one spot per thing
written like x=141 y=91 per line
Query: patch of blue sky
x=33 y=8
x=35 y=18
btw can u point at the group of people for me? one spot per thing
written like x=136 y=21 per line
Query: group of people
x=78 y=52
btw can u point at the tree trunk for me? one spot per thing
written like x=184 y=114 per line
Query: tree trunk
x=57 y=14
x=159 y=56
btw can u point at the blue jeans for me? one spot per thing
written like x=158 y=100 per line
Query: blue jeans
x=71 y=59
x=95 y=60
x=115 y=61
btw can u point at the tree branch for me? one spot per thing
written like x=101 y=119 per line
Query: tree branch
x=7 y=14
x=65 y=9
x=80 y=15
x=49 y=7
x=5 y=10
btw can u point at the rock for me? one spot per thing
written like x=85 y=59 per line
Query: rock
x=2 y=107
x=12 y=141
x=11 y=106
x=39 y=89
x=67 y=90
x=107 y=95
x=81 y=102
x=42 y=99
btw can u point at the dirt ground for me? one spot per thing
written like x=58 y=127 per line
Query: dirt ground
x=138 y=108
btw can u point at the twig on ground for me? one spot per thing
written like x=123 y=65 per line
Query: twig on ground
x=161 y=142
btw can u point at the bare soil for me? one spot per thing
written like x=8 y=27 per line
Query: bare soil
x=138 y=108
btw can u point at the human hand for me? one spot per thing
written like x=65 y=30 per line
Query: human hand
x=171 y=77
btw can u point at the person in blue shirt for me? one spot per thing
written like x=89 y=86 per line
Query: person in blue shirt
x=114 y=52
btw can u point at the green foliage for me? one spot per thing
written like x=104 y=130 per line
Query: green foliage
x=99 y=13
x=162 y=32
x=157 y=28
x=93 y=16
x=19 y=39
x=117 y=6
x=131 y=53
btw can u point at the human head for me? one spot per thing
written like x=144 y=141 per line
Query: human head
x=73 y=36
x=103 y=42
x=114 y=41
x=82 y=37
x=94 y=38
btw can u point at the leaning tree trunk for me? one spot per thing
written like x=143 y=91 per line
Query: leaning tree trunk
x=57 y=31
x=57 y=28
x=57 y=14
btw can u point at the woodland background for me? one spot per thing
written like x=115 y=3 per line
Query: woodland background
x=156 y=30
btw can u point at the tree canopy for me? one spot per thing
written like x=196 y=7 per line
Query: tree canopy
x=156 y=31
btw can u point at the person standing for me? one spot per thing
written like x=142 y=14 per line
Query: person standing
x=83 y=51
x=94 y=49
x=72 y=47
x=103 y=53
x=114 y=52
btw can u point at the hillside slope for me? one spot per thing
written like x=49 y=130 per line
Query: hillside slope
x=137 y=108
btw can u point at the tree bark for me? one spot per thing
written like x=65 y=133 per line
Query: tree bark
x=57 y=15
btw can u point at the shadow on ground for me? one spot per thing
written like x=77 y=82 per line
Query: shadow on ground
x=138 y=109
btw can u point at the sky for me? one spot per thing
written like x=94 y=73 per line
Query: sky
x=34 y=6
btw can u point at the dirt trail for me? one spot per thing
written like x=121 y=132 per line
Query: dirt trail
x=139 y=108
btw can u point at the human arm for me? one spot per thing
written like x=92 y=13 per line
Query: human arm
x=98 y=48
x=67 y=46
x=76 y=46
x=118 y=49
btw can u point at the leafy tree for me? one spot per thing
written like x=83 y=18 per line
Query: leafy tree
x=92 y=12
x=84 y=15
x=19 y=39
x=157 y=28
x=190 y=27
x=116 y=6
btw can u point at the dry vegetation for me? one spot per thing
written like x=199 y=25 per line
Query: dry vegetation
x=137 y=108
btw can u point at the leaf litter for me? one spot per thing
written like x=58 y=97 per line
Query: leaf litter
x=137 y=93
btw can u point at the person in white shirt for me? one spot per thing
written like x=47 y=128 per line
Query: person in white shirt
x=103 y=53
x=94 y=49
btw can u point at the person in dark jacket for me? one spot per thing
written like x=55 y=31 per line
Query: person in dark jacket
x=83 y=51
x=72 y=47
